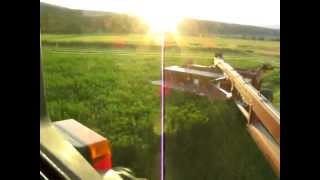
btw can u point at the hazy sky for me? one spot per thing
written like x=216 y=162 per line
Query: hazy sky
x=249 y=12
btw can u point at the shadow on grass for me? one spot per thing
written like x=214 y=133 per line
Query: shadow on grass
x=217 y=148
x=143 y=161
x=208 y=151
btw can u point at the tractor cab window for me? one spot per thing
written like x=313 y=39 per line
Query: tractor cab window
x=142 y=75
x=98 y=67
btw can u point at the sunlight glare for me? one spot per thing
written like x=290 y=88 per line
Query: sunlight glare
x=160 y=16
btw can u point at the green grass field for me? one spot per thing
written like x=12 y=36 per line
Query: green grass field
x=104 y=81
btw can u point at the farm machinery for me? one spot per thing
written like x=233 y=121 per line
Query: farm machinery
x=220 y=81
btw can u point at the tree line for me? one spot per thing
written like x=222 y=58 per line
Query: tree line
x=59 y=20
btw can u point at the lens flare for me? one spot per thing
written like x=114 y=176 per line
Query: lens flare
x=160 y=16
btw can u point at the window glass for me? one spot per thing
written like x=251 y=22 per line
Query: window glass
x=104 y=65
x=98 y=68
x=206 y=137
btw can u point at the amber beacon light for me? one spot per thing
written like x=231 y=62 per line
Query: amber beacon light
x=95 y=148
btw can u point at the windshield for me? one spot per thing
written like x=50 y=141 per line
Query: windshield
x=104 y=65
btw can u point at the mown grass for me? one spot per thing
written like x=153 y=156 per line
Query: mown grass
x=270 y=48
x=109 y=90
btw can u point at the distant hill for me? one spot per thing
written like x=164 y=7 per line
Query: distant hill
x=194 y=27
x=55 y=19
x=273 y=26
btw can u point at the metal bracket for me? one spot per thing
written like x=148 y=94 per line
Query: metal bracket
x=226 y=93
x=220 y=79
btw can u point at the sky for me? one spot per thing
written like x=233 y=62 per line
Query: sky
x=247 y=12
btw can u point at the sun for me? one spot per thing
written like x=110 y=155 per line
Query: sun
x=162 y=24
x=160 y=16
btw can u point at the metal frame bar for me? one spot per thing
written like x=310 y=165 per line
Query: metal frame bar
x=269 y=117
x=221 y=81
